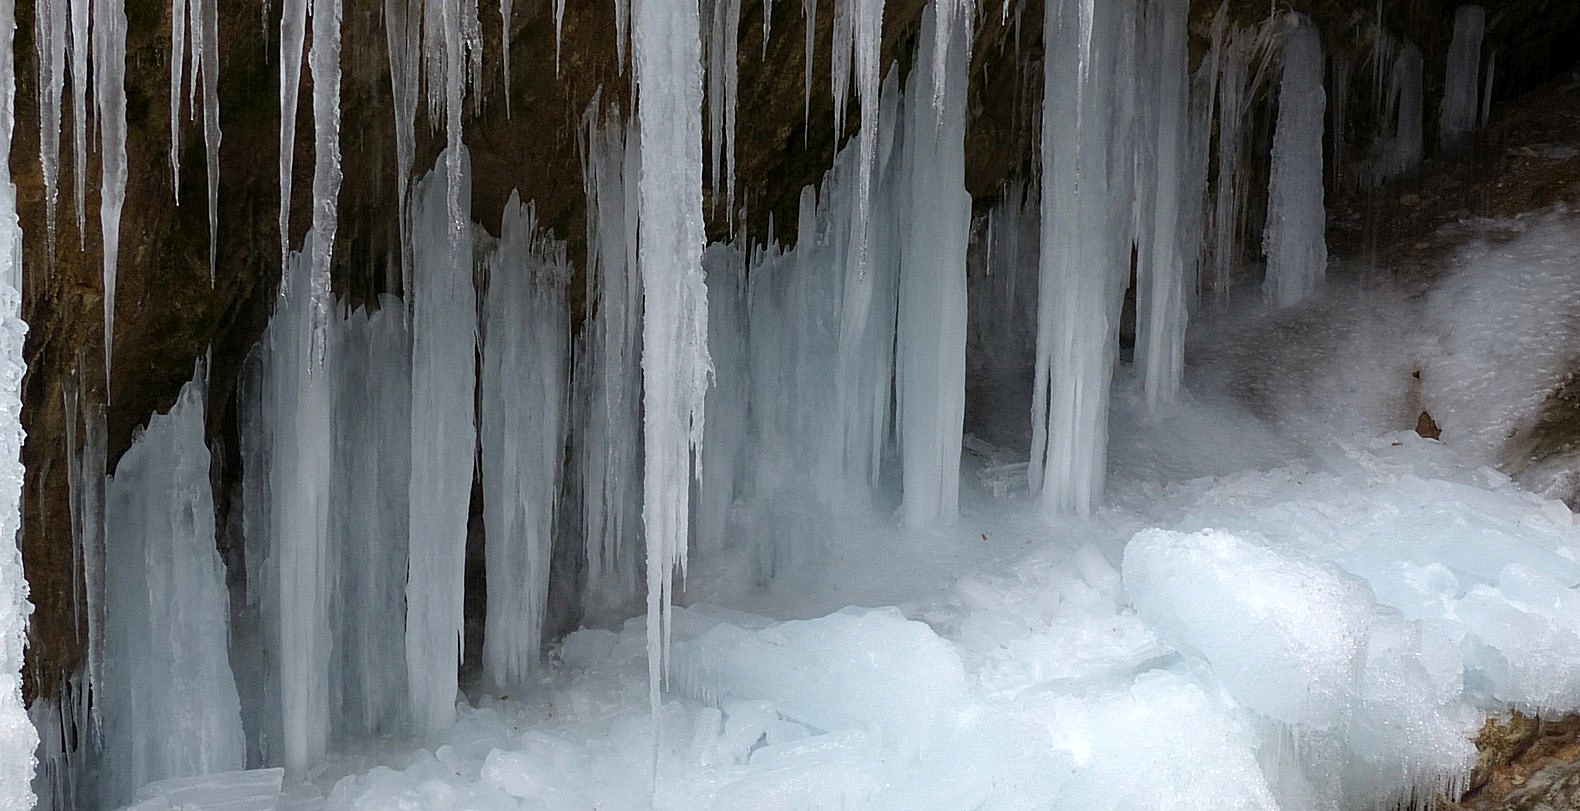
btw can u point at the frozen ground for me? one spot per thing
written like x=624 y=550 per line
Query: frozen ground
x=1288 y=603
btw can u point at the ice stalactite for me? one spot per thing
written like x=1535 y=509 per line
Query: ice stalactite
x=80 y=47
x=559 y=27
x=1461 y=78
x=178 y=61
x=946 y=14
x=169 y=700
x=85 y=475
x=524 y=401
x=723 y=68
x=809 y=11
x=1400 y=142
x=768 y=24
x=209 y=18
x=675 y=366
x=18 y=738
x=930 y=363
x=1085 y=242
x=443 y=439
x=293 y=31
x=868 y=33
x=1295 y=240
x=296 y=577
x=504 y=44
x=109 y=72
x=1339 y=71
x=324 y=61
x=1165 y=253
x=50 y=19
x=608 y=376
x=1486 y=89
x=403 y=40
x=368 y=519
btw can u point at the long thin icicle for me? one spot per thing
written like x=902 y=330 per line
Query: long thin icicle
x=504 y=44
x=403 y=38
x=49 y=44
x=109 y=71
x=211 y=131
x=809 y=9
x=675 y=366
x=178 y=61
x=79 y=108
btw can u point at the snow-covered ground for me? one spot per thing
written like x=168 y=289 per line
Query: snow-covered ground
x=1286 y=603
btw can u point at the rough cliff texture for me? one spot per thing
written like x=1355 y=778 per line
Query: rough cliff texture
x=168 y=315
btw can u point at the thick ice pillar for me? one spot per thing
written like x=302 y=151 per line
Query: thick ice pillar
x=675 y=367
x=443 y=441
x=931 y=364
x=1086 y=208
x=1295 y=240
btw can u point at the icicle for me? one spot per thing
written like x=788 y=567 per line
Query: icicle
x=79 y=108
x=16 y=757
x=109 y=71
x=1161 y=266
x=49 y=45
x=809 y=10
x=867 y=39
x=324 y=60
x=844 y=31
x=622 y=31
x=443 y=439
x=504 y=43
x=1339 y=85
x=675 y=365
x=403 y=39
x=85 y=469
x=945 y=12
x=559 y=25
x=768 y=24
x=170 y=703
x=1229 y=186
x=523 y=384
x=293 y=29
x=178 y=57
x=930 y=374
x=723 y=91
x=1461 y=76
x=1297 y=254
x=1400 y=145
x=211 y=131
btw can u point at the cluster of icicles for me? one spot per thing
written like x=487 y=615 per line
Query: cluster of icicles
x=816 y=365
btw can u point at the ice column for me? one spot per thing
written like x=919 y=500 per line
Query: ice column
x=1085 y=238
x=368 y=518
x=724 y=454
x=298 y=411
x=443 y=441
x=1295 y=239
x=1400 y=149
x=675 y=366
x=17 y=736
x=930 y=372
x=1461 y=79
x=170 y=704
x=608 y=376
x=1162 y=261
x=525 y=347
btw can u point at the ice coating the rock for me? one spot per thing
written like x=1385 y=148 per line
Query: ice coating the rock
x=524 y=398
x=443 y=442
x=1295 y=240
x=1461 y=106
x=930 y=368
x=109 y=72
x=18 y=738
x=675 y=366
x=170 y=702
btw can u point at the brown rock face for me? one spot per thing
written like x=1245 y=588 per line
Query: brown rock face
x=168 y=315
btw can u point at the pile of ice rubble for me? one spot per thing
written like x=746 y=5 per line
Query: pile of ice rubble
x=1304 y=637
